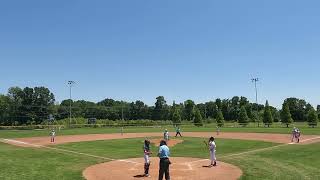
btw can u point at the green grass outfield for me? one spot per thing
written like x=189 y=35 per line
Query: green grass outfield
x=286 y=162
x=212 y=128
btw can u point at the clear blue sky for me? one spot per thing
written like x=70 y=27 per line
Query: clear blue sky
x=140 y=49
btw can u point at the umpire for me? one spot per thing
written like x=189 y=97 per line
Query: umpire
x=164 y=154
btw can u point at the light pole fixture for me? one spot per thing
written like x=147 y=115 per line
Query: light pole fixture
x=255 y=80
x=70 y=83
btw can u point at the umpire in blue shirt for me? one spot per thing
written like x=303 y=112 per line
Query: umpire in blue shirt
x=164 y=154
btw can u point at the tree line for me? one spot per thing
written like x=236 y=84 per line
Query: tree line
x=36 y=105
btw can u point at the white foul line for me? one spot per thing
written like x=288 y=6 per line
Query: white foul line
x=256 y=150
x=68 y=151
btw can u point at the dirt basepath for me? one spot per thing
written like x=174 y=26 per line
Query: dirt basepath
x=277 y=138
x=181 y=169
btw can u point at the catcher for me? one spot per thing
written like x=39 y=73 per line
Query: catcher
x=147 y=153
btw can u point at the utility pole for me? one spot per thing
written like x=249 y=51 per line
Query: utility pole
x=255 y=80
x=122 y=112
x=70 y=83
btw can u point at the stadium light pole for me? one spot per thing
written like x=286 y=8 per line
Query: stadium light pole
x=255 y=80
x=70 y=83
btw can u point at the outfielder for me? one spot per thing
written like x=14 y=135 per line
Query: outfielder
x=166 y=135
x=147 y=152
x=52 y=134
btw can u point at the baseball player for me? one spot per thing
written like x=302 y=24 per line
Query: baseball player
x=52 y=134
x=212 y=150
x=218 y=130
x=166 y=135
x=147 y=152
x=296 y=135
x=178 y=131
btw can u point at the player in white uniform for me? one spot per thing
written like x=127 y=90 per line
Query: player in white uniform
x=53 y=135
x=218 y=130
x=147 y=152
x=212 y=150
x=166 y=135
x=296 y=135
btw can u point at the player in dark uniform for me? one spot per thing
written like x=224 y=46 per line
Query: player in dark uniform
x=178 y=131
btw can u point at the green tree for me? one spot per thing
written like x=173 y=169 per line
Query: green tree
x=243 y=117
x=267 y=116
x=203 y=110
x=286 y=115
x=276 y=116
x=234 y=108
x=176 y=117
x=198 y=118
x=211 y=109
x=255 y=117
x=160 y=111
x=312 y=118
x=226 y=109
x=43 y=104
x=318 y=111
x=220 y=118
x=189 y=111
x=4 y=110
x=107 y=102
x=298 y=108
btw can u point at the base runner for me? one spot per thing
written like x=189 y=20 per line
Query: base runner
x=296 y=135
x=218 y=130
x=53 y=135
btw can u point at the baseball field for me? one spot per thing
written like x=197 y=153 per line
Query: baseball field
x=105 y=153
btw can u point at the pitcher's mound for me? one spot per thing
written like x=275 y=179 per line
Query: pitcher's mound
x=180 y=169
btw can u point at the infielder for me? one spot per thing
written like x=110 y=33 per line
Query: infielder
x=212 y=150
x=52 y=134
x=296 y=135
x=218 y=130
x=166 y=135
x=178 y=131
x=147 y=152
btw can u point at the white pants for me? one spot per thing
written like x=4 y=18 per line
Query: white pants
x=166 y=137
x=213 y=156
x=146 y=159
